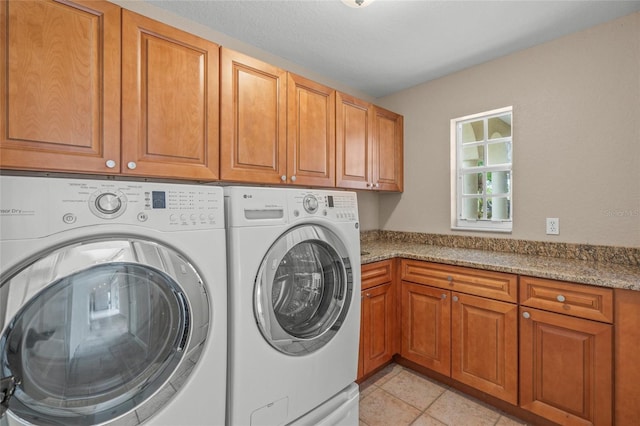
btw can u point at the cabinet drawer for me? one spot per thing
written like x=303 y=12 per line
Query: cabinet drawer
x=573 y=299
x=494 y=285
x=377 y=273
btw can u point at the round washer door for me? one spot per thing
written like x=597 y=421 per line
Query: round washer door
x=96 y=329
x=303 y=290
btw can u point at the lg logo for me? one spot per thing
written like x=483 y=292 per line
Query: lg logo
x=247 y=196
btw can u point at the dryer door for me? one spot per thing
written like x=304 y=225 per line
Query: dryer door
x=94 y=330
x=303 y=290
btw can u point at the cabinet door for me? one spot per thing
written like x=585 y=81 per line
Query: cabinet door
x=627 y=342
x=426 y=326
x=377 y=317
x=311 y=132
x=60 y=86
x=565 y=368
x=253 y=102
x=387 y=171
x=169 y=101
x=353 y=139
x=484 y=345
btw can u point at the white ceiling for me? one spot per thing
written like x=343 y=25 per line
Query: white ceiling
x=391 y=45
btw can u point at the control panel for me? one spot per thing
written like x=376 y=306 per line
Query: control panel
x=335 y=205
x=37 y=206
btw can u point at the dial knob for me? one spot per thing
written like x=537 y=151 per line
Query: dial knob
x=310 y=204
x=108 y=203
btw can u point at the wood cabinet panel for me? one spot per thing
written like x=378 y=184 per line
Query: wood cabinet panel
x=573 y=299
x=426 y=326
x=253 y=135
x=495 y=285
x=626 y=365
x=311 y=134
x=378 y=317
x=353 y=139
x=484 y=345
x=388 y=169
x=170 y=101
x=60 y=85
x=369 y=146
x=565 y=368
x=376 y=273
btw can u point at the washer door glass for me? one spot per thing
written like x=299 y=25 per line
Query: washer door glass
x=101 y=327
x=303 y=290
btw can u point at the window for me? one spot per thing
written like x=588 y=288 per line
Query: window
x=481 y=172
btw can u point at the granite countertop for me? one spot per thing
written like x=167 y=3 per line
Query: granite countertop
x=604 y=274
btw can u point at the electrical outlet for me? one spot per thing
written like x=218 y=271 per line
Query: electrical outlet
x=553 y=226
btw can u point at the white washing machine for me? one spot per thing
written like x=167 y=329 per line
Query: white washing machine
x=294 y=306
x=112 y=302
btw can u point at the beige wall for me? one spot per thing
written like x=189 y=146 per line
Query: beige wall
x=576 y=138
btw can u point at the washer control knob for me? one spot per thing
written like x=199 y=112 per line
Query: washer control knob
x=310 y=204
x=108 y=203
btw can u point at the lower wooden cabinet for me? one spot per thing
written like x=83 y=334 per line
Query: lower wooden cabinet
x=377 y=317
x=484 y=345
x=627 y=343
x=471 y=339
x=566 y=358
x=426 y=326
x=544 y=347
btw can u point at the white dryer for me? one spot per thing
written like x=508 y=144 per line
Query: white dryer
x=112 y=302
x=294 y=306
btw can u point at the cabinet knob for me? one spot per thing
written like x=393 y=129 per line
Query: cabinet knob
x=450 y=279
x=560 y=298
x=368 y=185
x=283 y=178
x=110 y=164
x=455 y=298
x=368 y=294
x=526 y=315
x=293 y=178
x=132 y=165
x=444 y=296
x=377 y=185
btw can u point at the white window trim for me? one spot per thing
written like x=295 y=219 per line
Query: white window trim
x=504 y=226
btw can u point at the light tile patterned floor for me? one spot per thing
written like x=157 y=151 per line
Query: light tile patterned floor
x=397 y=396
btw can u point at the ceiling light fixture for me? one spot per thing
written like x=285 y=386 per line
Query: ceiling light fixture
x=357 y=3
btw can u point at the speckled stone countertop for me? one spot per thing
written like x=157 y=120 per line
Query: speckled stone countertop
x=601 y=271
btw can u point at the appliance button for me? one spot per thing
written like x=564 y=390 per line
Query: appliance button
x=142 y=217
x=69 y=218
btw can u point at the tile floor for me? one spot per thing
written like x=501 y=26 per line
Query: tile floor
x=397 y=396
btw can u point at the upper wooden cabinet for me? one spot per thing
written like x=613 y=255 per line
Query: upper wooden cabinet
x=388 y=164
x=276 y=127
x=253 y=125
x=67 y=108
x=369 y=146
x=311 y=132
x=60 y=85
x=169 y=101
x=353 y=140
